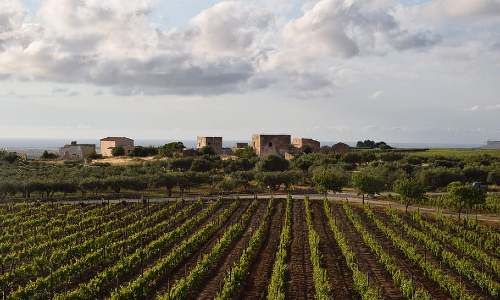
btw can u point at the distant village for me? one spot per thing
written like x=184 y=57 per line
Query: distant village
x=262 y=144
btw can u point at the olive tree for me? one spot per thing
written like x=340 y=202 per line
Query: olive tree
x=365 y=183
x=411 y=190
x=464 y=195
x=328 y=180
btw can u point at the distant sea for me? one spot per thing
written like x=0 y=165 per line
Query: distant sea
x=33 y=147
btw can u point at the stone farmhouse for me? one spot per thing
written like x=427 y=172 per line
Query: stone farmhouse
x=306 y=145
x=214 y=142
x=264 y=144
x=107 y=145
x=76 y=151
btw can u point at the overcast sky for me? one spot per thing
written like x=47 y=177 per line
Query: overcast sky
x=333 y=70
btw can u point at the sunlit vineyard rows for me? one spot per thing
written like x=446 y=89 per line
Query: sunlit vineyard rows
x=243 y=249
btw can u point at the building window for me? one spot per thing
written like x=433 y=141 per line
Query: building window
x=270 y=144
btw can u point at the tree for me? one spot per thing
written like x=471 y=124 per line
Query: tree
x=180 y=164
x=226 y=185
x=464 y=195
x=169 y=149
x=272 y=163
x=365 y=183
x=328 y=181
x=47 y=155
x=118 y=151
x=246 y=152
x=206 y=150
x=411 y=190
x=201 y=164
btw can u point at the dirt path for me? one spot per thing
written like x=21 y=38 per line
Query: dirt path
x=260 y=271
x=301 y=284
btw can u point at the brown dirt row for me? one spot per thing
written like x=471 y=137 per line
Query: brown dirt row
x=300 y=276
x=191 y=261
x=470 y=287
x=214 y=279
x=259 y=276
x=332 y=259
x=379 y=278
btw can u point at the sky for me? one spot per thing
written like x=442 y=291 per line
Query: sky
x=406 y=71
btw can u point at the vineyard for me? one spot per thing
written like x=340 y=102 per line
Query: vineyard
x=243 y=249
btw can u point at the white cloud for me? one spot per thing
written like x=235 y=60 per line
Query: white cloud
x=473 y=108
x=344 y=28
x=492 y=107
x=377 y=94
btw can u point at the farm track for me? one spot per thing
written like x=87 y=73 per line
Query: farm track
x=190 y=262
x=367 y=261
x=301 y=285
x=258 y=278
x=470 y=287
x=214 y=279
x=332 y=259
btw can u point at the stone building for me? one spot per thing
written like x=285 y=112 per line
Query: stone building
x=76 y=151
x=306 y=145
x=107 y=144
x=264 y=144
x=341 y=148
x=214 y=142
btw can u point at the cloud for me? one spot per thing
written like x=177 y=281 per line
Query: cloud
x=59 y=90
x=377 y=94
x=492 y=107
x=473 y=108
x=83 y=127
x=227 y=27
x=484 y=108
x=345 y=28
x=73 y=94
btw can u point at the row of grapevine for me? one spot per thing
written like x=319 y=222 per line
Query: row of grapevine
x=405 y=285
x=323 y=288
x=235 y=277
x=148 y=279
x=127 y=263
x=487 y=237
x=462 y=266
x=276 y=290
x=98 y=256
x=459 y=243
x=433 y=272
x=360 y=279
x=79 y=243
x=184 y=285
